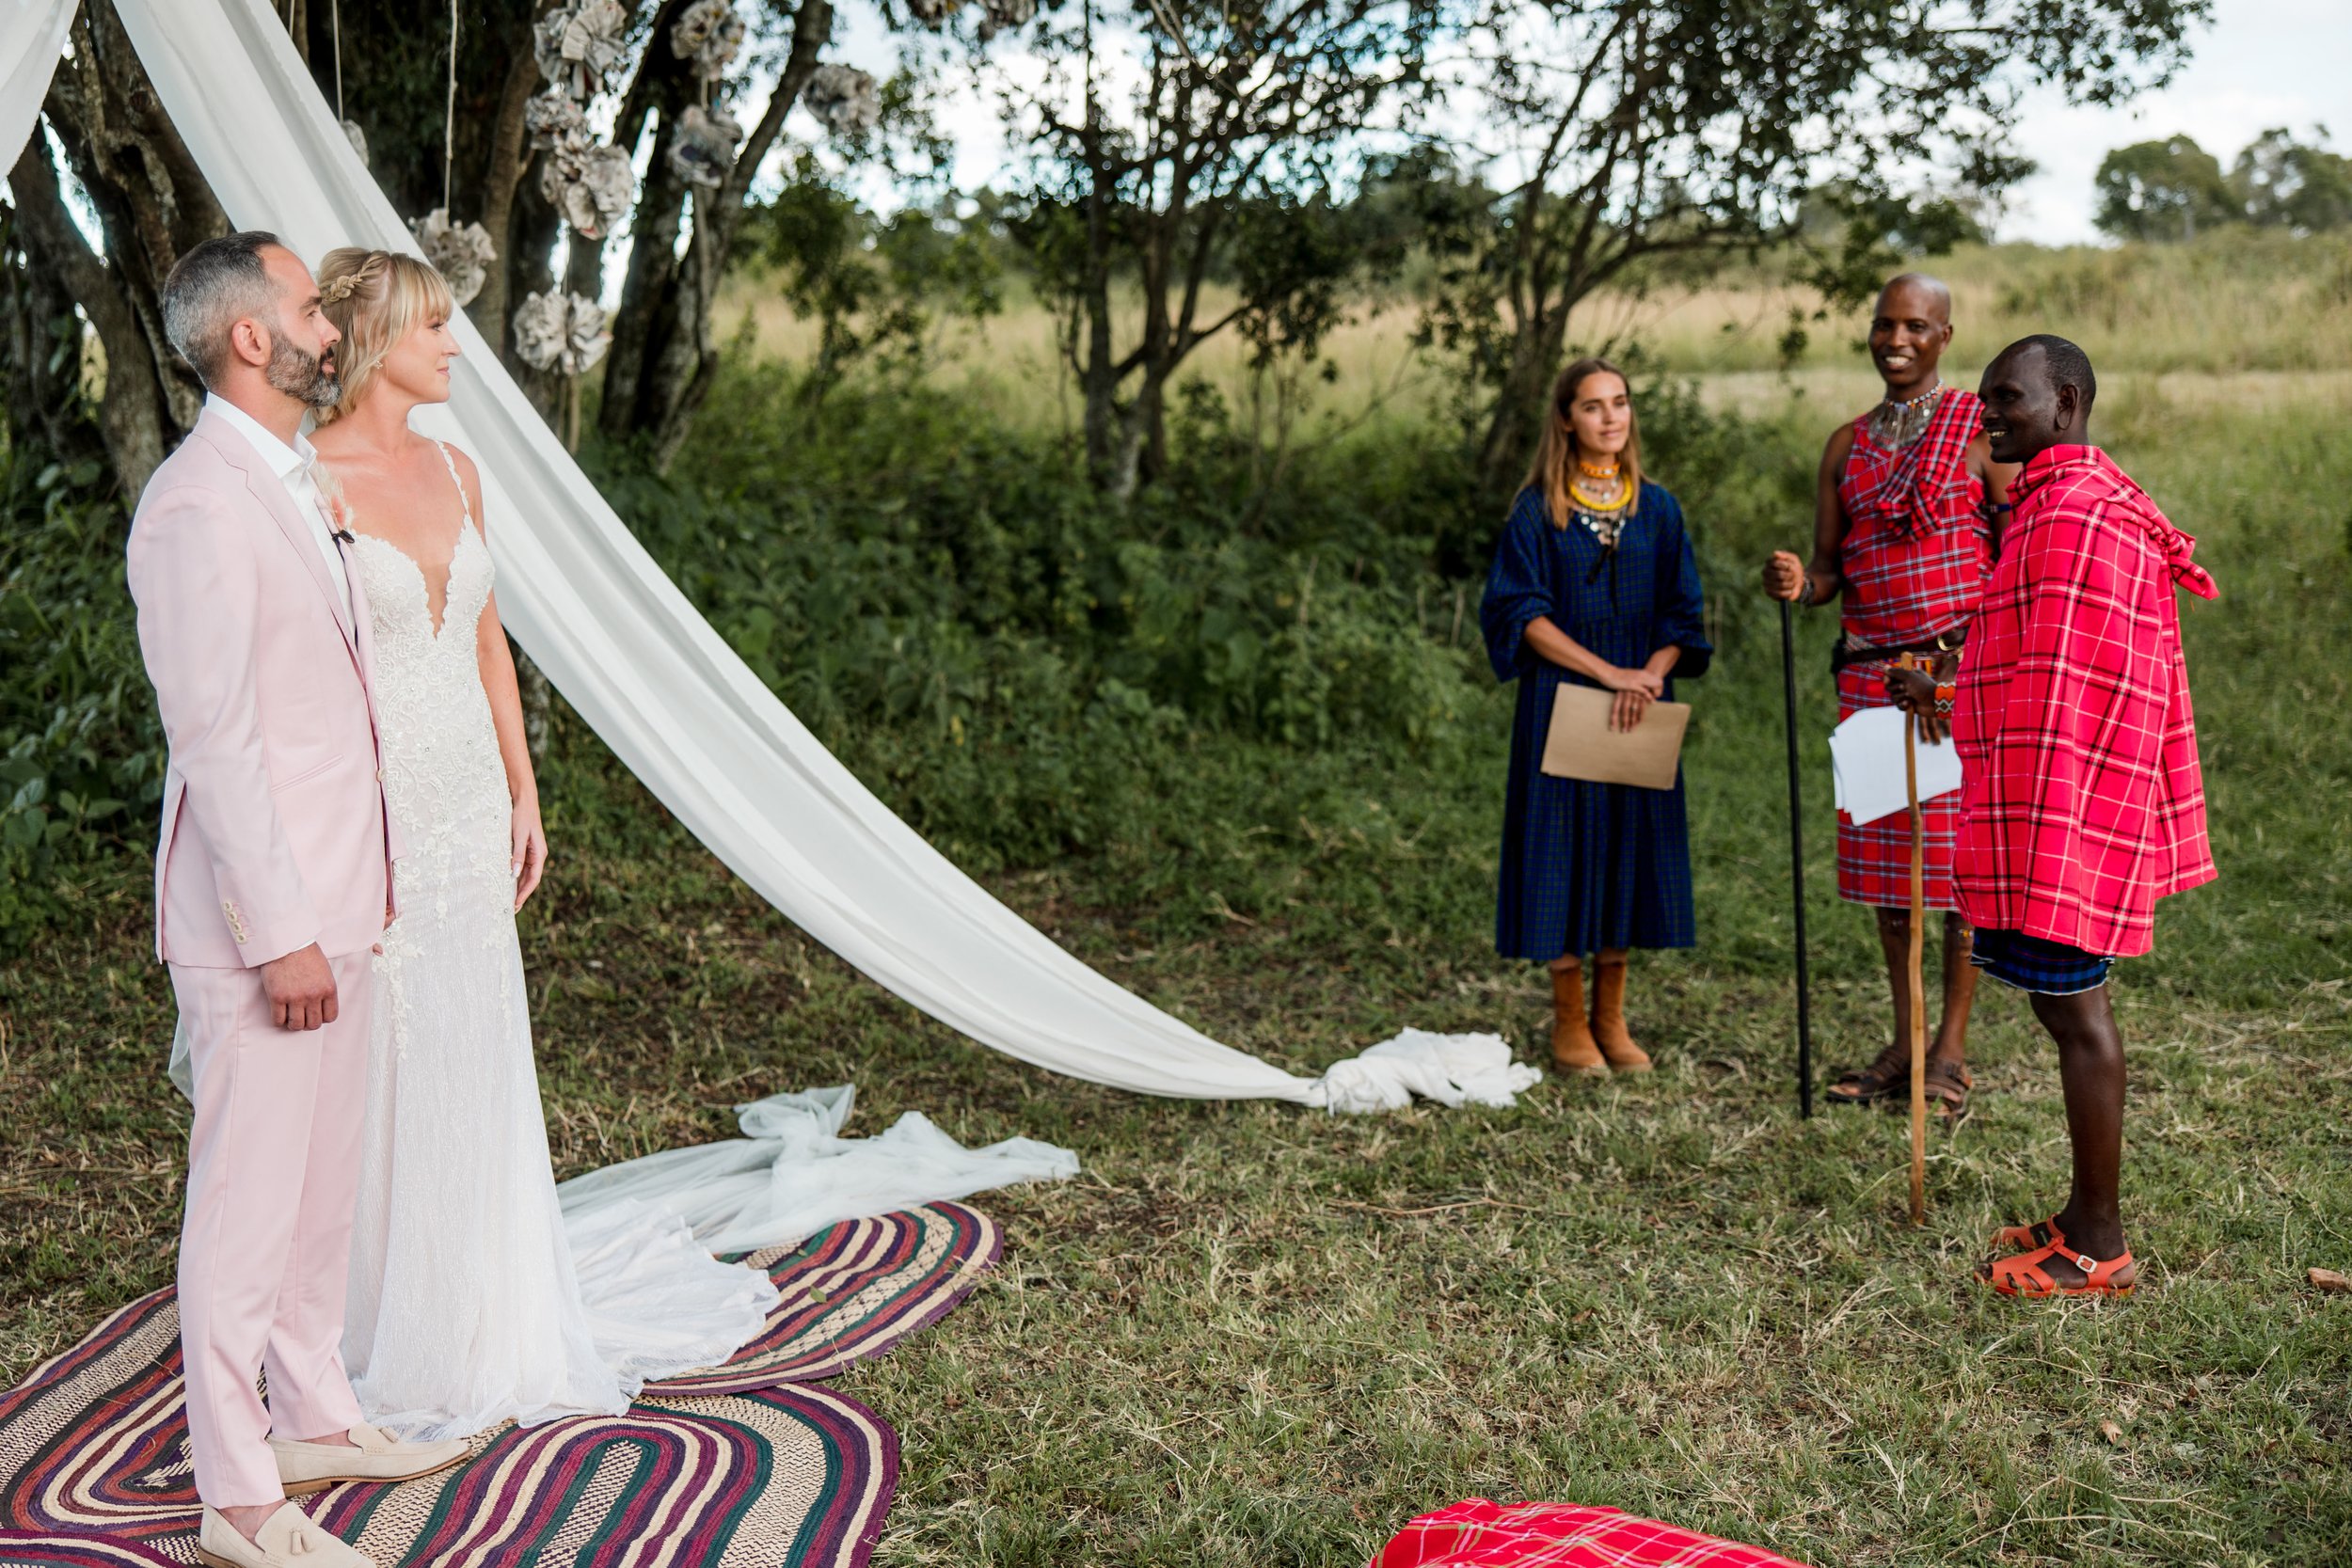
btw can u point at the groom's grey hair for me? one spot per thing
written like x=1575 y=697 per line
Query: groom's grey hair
x=215 y=286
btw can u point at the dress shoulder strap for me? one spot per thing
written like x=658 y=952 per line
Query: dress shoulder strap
x=451 y=464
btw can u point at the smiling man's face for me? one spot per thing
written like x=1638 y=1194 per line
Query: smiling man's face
x=2025 y=412
x=1909 y=331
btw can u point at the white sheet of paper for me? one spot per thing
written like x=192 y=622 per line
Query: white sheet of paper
x=1867 y=763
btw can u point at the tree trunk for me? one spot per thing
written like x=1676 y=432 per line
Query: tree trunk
x=1518 y=417
x=151 y=204
x=134 y=416
x=664 y=356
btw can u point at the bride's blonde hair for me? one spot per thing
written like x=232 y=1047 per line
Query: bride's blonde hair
x=374 y=298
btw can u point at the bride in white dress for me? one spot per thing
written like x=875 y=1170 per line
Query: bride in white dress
x=470 y=1300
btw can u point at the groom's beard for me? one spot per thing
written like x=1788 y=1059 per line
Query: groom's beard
x=307 y=377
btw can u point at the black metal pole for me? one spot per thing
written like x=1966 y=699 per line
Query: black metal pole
x=1796 y=865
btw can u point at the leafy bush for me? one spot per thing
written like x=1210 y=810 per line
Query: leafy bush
x=1005 y=656
x=81 y=750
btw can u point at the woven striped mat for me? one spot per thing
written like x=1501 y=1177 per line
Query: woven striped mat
x=753 y=1464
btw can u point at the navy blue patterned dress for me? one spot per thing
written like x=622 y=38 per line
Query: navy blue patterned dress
x=1588 y=866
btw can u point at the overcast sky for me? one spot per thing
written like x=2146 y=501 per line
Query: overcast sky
x=2262 y=63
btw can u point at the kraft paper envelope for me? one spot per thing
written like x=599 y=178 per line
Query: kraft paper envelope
x=1581 y=744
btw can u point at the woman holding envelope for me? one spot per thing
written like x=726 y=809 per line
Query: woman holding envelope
x=1594 y=586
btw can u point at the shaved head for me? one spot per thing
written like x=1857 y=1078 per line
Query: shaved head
x=1910 y=329
x=1932 y=294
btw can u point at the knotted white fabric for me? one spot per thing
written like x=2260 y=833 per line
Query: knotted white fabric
x=636 y=661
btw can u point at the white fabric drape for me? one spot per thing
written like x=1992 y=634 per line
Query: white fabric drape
x=31 y=36
x=647 y=673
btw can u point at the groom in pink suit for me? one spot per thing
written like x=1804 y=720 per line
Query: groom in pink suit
x=273 y=884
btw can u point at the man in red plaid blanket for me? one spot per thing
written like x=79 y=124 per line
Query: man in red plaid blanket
x=1904 y=531
x=2082 y=801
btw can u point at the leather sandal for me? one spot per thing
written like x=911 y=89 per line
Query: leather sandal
x=2025 y=1275
x=1948 y=1084
x=1888 y=1074
x=2025 y=1238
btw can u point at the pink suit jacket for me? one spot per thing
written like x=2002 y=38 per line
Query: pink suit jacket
x=275 y=831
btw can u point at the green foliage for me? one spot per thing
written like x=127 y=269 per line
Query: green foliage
x=2286 y=185
x=81 y=750
x=2161 y=190
x=2169 y=189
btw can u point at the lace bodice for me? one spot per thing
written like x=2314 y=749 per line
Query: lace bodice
x=443 y=775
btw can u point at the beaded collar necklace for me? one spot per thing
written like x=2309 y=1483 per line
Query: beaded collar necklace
x=1602 y=499
x=1896 y=423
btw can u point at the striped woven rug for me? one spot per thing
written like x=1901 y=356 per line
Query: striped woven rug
x=753 y=1464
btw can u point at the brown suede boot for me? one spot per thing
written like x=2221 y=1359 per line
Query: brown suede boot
x=1608 y=1030
x=1572 y=1047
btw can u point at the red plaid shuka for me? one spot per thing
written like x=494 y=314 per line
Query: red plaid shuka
x=1916 y=554
x=2083 y=802
x=1480 y=1534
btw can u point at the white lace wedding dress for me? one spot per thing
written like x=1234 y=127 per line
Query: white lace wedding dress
x=471 y=1301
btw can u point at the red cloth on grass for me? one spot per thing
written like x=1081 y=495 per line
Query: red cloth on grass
x=2082 y=801
x=1482 y=1534
x=1916 y=555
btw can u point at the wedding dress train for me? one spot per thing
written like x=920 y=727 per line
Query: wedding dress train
x=472 y=1298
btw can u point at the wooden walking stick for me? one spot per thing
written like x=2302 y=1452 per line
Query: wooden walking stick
x=1796 y=866
x=1918 y=980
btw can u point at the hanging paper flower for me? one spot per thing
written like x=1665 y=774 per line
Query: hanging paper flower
x=461 y=255
x=1005 y=15
x=556 y=331
x=577 y=43
x=590 y=186
x=709 y=33
x=551 y=119
x=846 y=100
x=703 y=149
x=358 y=140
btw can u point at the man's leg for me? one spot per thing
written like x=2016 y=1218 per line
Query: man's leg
x=310 y=1394
x=2091 y=1069
x=247 y=1149
x=1959 y=991
x=1895 y=941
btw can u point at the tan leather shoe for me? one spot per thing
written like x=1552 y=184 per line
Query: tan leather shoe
x=288 y=1539
x=1572 y=1047
x=308 y=1467
x=1608 y=1030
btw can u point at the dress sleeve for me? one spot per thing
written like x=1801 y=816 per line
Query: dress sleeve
x=1518 y=588
x=1681 y=609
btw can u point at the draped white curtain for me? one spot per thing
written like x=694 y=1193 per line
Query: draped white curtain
x=637 y=661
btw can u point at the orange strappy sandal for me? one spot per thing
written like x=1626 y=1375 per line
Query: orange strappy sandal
x=2025 y=1238
x=2023 y=1274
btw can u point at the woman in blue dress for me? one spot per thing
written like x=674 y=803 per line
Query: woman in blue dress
x=1594 y=584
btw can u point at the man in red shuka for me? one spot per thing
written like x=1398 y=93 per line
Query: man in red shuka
x=1903 y=530
x=2082 y=801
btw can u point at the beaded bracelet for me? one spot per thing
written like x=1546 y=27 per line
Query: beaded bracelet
x=1947 y=693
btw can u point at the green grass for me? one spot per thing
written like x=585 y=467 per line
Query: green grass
x=1255 y=1334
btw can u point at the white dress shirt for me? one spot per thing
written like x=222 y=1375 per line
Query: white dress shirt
x=293 y=466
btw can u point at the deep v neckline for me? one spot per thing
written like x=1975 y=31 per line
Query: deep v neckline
x=435 y=621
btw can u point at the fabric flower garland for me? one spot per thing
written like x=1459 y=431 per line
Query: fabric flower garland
x=591 y=186
x=556 y=331
x=843 y=98
x=709 y=33
x=578 y=44
x=703 y=149
x=461 y=255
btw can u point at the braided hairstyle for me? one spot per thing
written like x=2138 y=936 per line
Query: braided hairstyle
x=374 y=298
